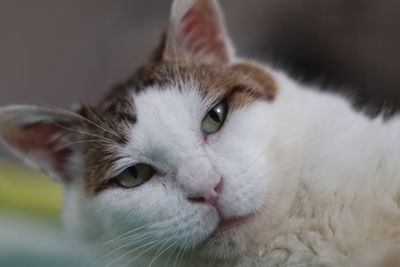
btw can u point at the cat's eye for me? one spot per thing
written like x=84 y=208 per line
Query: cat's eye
x=135 y=175
x=215 y=118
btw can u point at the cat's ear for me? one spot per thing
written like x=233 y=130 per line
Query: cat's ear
x=41 y=137
x=197 y=34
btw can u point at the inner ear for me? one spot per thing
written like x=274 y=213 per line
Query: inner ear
x=197 y=34
x=44 y=145
x=44 y=138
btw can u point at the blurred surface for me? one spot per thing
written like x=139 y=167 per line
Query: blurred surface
x=57 y=53
x=35 y=241
x=28 y=191
x=31 y=233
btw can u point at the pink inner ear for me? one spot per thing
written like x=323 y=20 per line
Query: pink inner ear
x=202 y=33
x=44 y=145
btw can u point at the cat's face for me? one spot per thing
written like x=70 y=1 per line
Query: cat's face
x=203 y=132
x=179 y=155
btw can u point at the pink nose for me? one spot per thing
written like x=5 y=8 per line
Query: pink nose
x=199 y=180
x=208 y=197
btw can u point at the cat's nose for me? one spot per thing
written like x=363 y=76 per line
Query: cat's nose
x=199 y=180
x=210 y=197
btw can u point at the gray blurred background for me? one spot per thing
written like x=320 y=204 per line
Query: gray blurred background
x=58 y=53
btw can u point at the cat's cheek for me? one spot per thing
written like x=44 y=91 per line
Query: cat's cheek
x=120 y=209
x=155 y=208
x=241 y=156
x=243 y=198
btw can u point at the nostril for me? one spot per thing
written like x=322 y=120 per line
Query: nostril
x=197 y=199
x=218 y=188
x=209 y=197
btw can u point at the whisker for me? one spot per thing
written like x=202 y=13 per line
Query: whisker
x=136 y=240
x=125 y=234
x=85 y=119
x=101 y=126
x=162 y=252
x=129 y=252
x=172 y=252
x=156 y=243
x=123 y=240
x=177 y=256
x=83 y=132
x=184 y=249
x=126 y=244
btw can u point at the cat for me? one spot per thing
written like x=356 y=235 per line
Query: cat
x=203 y=158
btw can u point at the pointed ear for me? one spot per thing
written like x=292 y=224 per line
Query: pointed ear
x=41 y=137
x=197 y=34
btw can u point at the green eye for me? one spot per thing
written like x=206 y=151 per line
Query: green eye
x=135 y=175
x=215 y=118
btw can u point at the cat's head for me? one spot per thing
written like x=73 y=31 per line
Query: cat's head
x=179 y=155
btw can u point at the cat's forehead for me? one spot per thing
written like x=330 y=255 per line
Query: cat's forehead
x=251 y=80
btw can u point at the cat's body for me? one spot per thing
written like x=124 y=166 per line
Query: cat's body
x=204 y=159
x=341 y=180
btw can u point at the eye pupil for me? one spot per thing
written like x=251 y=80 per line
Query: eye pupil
x=133 y=172
x=214 y=115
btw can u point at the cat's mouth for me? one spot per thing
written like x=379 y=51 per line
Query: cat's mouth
x=226 y=225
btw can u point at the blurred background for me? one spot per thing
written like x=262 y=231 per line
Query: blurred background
x=58 y=53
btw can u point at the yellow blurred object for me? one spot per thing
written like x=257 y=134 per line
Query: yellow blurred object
x=28 y=191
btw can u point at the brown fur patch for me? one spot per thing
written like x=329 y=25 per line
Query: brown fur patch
x=254 y=81
x=264 y=82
